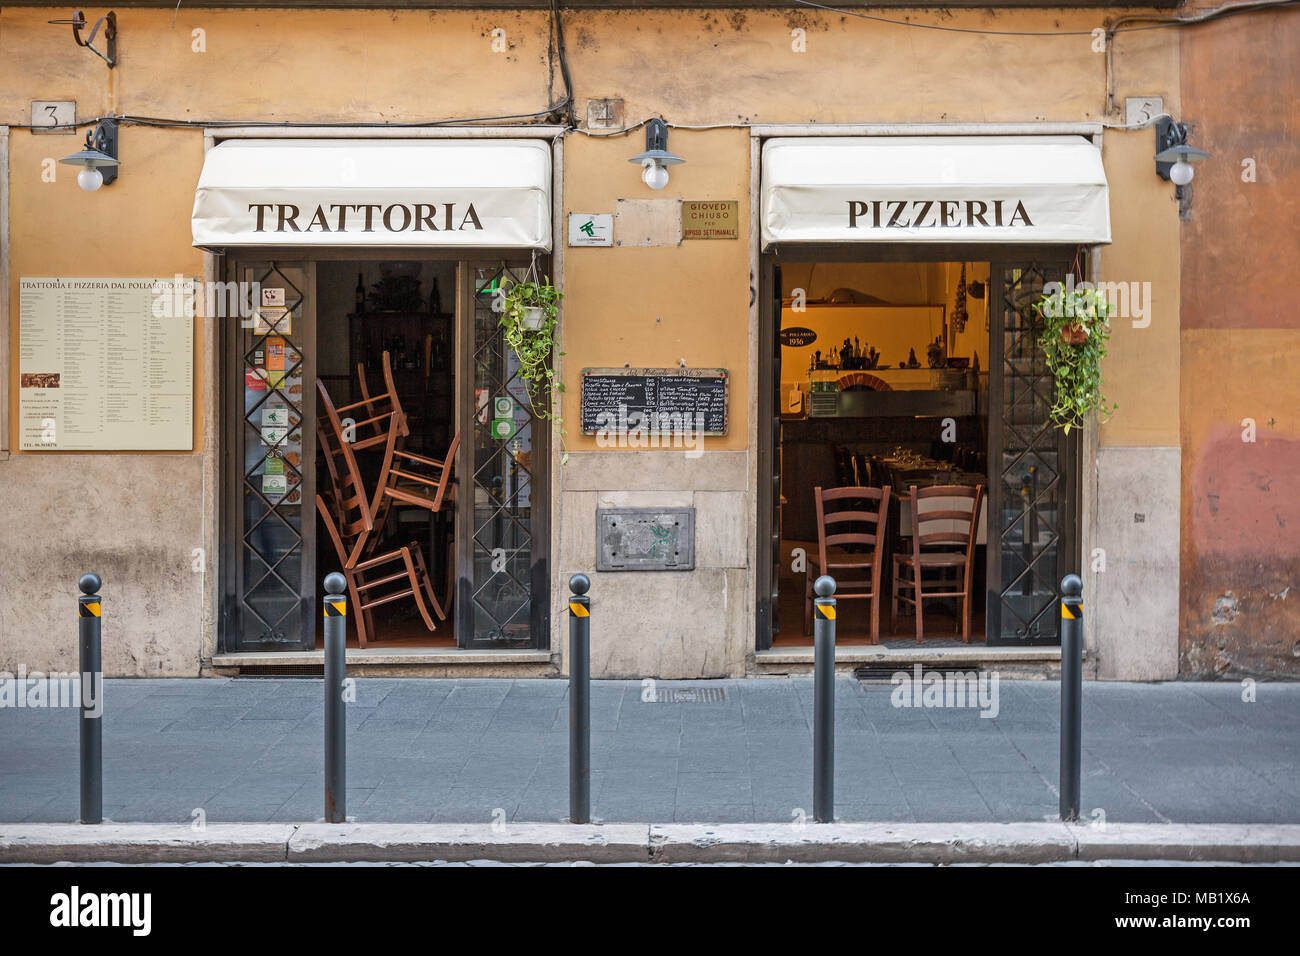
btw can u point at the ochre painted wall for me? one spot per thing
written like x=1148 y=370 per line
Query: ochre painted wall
x=1241 y=351
x=630 y=304
x=653 y=306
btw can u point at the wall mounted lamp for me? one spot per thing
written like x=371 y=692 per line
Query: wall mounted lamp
x=656 y=159
x=108 y=22
x=1174 y=157
x=98 y=160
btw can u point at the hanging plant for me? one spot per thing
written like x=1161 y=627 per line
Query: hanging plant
x=1075 y=328
x=528 y=320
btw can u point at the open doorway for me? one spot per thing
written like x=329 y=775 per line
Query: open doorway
x=883 y=386
x=385 y=350
x=975 y=411
x=375 y=422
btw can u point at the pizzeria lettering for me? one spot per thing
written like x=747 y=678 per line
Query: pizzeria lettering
x=935 y=213
x=365 y=217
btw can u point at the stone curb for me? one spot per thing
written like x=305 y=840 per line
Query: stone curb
x=862 y=843
x=511 y=843
x=938 y=843
x=144 y=843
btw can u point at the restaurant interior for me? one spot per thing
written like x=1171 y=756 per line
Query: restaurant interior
x=386 y=439
x=884 y=449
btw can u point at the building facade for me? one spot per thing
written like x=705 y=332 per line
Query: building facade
x=386 y=174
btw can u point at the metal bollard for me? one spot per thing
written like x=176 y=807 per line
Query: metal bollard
x=336 y=741
x=824 y=700
x=1071 y=693
x=579 y=700
x=92 y=701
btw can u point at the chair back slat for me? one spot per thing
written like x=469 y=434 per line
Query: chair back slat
x=835 y=540
x=954 y=515
x=943 y=537
x=871 y=517
x=835 y=494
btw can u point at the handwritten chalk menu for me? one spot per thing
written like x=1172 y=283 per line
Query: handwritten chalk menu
x=106 y=364
x=654 y=401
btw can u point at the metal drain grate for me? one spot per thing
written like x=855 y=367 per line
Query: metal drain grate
x=688 y=695
x=282 y=670
x=884 y=673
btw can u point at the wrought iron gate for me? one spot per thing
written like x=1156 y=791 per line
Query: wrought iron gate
x=1033 y=468
x=268 y=444
x=502 y=595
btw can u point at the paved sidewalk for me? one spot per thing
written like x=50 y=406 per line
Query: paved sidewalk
x=250 y=750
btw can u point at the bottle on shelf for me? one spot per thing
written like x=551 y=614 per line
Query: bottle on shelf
x=435 y=298
x=361 y=295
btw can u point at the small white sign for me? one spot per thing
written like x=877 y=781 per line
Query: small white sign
x=591 y=229
x=1142 y=109
x=272 y=298
x=54 y=116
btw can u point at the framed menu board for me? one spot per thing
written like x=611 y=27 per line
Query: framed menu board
x=655 y=400
x=106 y=364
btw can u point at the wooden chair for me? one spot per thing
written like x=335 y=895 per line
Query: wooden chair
x=348 y=515
x=845 y=509
x=382 y=411
x=931 y=550
x=411 y=479
x=416 y=480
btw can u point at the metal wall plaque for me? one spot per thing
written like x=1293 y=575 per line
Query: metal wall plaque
x=645 y=539
x=710 y=219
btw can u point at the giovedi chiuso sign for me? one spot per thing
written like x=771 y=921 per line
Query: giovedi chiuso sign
x=989 y=189
x=470 y=193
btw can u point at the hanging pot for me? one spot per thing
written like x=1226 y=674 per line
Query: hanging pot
x=1074 y=334
x=532 y=318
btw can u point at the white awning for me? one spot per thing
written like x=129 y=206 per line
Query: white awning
x=934 y=189
x=338 y=192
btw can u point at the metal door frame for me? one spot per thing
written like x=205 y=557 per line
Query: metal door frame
x=229 y=512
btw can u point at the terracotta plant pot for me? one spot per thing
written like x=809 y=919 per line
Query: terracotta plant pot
x=1074 y=335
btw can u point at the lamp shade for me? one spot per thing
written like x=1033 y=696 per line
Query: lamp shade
x=1181 y=153
x=90 y=158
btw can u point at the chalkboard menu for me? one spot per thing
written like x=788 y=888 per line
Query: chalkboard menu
x=654 y=401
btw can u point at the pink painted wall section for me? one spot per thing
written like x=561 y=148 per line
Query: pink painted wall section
x=1240 y=349
x=1242 y=557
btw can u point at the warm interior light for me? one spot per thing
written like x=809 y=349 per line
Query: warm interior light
x=90 y=179
x=654 y=175
x=1181 y=173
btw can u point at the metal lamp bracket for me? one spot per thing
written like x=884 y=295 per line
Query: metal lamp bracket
x=1168 y=133
x=108 y=22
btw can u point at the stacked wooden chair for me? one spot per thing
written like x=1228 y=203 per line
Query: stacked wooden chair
x=354 y=516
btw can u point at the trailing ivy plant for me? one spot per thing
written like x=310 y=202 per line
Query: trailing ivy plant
x=533 y=346
x=1075 y=329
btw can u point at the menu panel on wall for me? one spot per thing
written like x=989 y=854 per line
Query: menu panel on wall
x=106 y=364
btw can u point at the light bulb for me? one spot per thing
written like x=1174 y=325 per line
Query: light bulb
x=1181 y=173
x=90 y=179
x=654 y=175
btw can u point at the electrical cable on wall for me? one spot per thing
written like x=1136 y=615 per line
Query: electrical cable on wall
x=1128 y=23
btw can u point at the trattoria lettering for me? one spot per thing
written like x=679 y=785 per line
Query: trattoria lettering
x=936 y=213
x=365 y=217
